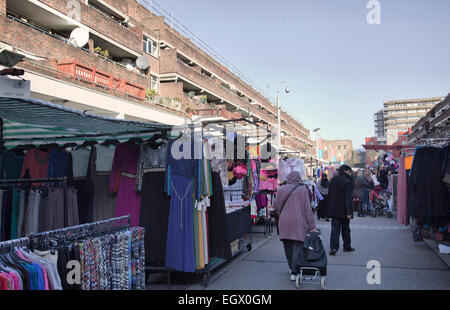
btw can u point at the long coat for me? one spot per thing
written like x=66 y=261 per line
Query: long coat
x=341 y=196
x=296 y=218
x=358 y=190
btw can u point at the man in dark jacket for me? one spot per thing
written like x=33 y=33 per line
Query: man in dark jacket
x=341 y=210
x=383 y=178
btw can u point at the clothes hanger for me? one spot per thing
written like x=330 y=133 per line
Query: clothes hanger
x=47 y=147
x=19 y=150
x=135 y=141
x=110 y=142
x=67 y=145
x=87 y=143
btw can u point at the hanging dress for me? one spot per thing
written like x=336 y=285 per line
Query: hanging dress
x=123 y=181
x=100 y=166
x=180 y=186
x=155 y=203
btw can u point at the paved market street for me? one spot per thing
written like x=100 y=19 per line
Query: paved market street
x=405 y=265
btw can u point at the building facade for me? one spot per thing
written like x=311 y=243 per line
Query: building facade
x=371 y=155
x=133 y=65
x=338 y=151
x=400 y=115
x=379 y=127
x=434 y=125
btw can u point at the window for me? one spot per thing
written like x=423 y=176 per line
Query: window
x=339 y=147
x=154 y=82
x=345 y=147
x=150 y=47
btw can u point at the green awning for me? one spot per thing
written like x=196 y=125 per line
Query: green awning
x=36 y=121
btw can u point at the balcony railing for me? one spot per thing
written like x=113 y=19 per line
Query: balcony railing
x=89 y=74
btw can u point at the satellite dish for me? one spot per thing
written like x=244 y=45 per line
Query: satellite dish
x=142 y=62
x=80 y=36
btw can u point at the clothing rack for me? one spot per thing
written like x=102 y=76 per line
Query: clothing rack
x=84 y=229
x=14 y=181
x=7 y=246
x=42 y=180
x=434 y=139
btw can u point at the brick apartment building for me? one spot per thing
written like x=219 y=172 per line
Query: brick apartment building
x=371 y=155
x=338 y=151
x=177 y=77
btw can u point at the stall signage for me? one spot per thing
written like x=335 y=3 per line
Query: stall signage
x=14 y=88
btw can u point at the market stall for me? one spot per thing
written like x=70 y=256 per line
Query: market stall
x=62 y=167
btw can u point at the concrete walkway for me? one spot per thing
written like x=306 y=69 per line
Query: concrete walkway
x=405 y=265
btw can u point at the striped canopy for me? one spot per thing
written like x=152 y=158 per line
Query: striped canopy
x=35 y=121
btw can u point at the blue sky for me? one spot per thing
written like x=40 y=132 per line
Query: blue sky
x=339 y=68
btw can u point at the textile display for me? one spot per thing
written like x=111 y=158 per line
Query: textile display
x=25 y=270
x=123 y=181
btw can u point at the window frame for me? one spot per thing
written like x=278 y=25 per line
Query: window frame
x=150 y=46
x=156 y=82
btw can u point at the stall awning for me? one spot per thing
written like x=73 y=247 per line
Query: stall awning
x=28 y=119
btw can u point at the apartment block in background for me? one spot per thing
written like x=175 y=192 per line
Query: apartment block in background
x=379 y=127
x=401 y=115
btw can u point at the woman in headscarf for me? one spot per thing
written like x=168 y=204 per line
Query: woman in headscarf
x=322 y=209
x=295 y=216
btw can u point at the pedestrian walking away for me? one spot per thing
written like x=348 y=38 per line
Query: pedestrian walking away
x=323 y=208
x=358 y=193
x=295 y=218
x=341 y=210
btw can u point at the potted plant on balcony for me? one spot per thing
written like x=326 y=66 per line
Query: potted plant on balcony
x=105 y=53
x=191 y=94
x=150 y=94
x=203 y=99
x=225 y=85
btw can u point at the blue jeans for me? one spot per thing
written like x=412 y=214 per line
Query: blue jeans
x=366 y=205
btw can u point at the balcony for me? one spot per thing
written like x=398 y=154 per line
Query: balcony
x=56 y=45
x=98 y=22
x=90 y=75
x=197 y=55
x=195 y=81
x=229 y=115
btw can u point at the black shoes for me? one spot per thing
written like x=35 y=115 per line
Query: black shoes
x=333 y=251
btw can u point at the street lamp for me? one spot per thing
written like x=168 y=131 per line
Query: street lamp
x=287 y=90
x=316 y=131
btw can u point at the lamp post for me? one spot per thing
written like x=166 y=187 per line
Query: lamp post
x=287 y=90
x=316 y=131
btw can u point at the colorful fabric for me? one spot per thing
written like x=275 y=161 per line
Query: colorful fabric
x=126 y=162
